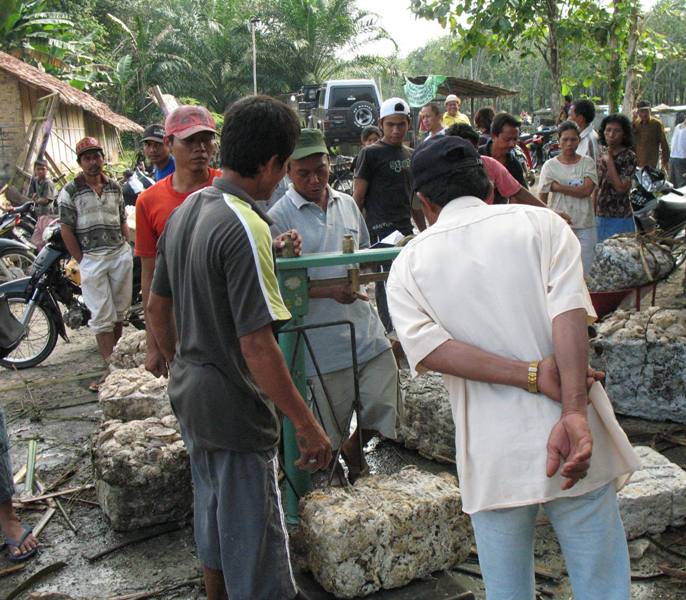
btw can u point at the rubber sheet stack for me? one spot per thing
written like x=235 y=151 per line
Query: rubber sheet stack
x=142 y=472
x=129 y=352
x=384 y=532
x=627 y=261
x=427 y=423
x=129 y=394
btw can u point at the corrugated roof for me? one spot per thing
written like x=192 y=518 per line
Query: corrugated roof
x=68 y=94
x=466 y=88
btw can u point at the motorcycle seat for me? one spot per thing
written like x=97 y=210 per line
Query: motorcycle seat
x=670 y=212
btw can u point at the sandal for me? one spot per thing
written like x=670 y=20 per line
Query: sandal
x=95 y=385
x=9 y=544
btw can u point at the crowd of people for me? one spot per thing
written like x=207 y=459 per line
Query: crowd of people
x=490 y=293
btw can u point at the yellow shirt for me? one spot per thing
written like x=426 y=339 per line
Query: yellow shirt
x=517 y=268
x=449 y=120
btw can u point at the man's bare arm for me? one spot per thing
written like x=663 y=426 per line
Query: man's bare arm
x=360 y=187
x=524 y=196
x=268 y=368
x=160 y=320
x=70 y=241
x=154 y=359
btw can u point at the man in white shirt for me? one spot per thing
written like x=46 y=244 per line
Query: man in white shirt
x=582 y=113
x=677 y=158
x=507 y=280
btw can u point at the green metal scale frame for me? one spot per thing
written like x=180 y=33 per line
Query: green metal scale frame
x=295 y=286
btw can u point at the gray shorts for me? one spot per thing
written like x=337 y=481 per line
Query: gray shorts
x=239 y=524
x=6 y=478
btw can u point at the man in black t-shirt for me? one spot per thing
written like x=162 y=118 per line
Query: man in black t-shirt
x=504 y=138
x=383 y=185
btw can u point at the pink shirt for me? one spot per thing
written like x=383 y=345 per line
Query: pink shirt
x=500 y=177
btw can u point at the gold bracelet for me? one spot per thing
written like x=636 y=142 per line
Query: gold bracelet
x=532 y=377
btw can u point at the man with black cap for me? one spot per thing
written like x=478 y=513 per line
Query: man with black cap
x=94 y=230
x=323 y=216
x=157 y=151
x=493 y=297
x=649 y=138
x=42 y=189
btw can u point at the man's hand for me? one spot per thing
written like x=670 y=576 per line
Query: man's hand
x=155 y=362
x=314 y=446
x=343 y=295
x=549 y=378
x=570 y=442
x=280 y=241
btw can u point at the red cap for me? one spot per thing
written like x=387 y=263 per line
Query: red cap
x=86 y=144
x=184 y=121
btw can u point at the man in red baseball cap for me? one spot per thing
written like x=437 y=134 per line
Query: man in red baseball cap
x=190 y=134
x=94 y=230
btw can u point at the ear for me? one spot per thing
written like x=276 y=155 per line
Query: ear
x=430 y=210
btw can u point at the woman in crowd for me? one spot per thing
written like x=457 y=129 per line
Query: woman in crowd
x=567 y=183
x=615 y=171
x=430 y=117
x=482 y=120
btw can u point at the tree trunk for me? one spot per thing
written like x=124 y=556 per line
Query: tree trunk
x=554 y=58
x=629 y=84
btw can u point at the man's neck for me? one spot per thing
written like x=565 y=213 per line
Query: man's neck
x=500 y=154
x=93 y=180
x=185 y=180
x=162 y=165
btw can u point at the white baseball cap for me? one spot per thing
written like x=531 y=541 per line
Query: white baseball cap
x=394 y=106
x=451 y=98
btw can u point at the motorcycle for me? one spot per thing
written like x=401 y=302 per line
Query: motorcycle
x=18 y=224
x=15 y=260
x=34 y=301
x=653 y=212
x=536 y=144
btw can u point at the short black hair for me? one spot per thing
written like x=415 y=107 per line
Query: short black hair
x=566 y=126
x=585 y=109
x=624 y=123
x=370 y=130
x=503 y=119
x=484 y=118
x=464 y=131
x=255 y=129
x=568 y=98
x=40 y=162
x=433 y=107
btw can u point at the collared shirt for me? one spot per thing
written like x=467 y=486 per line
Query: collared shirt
x=679 y=141
x=215 y=261
x=460 y=118
x=589 y=143
x=649 y=138
x=95 y=220
x=168 y=169
x=323 y=231
x=496 y=277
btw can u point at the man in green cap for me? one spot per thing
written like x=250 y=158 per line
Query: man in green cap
x=323 y=216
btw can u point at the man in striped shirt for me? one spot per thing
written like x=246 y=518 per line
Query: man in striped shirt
x=215 y=291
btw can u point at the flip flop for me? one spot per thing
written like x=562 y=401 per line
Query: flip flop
x=94 y=387
x=9 y=544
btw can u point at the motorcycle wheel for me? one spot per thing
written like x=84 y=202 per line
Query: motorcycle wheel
x=15 y=263
x=40 y=339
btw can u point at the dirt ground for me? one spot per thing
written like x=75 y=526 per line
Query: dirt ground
x=51 y=403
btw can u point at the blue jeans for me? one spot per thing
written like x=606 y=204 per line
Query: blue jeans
x=608 y=226
x=591 y=536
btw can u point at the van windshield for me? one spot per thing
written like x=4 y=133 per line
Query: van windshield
x=345 y=97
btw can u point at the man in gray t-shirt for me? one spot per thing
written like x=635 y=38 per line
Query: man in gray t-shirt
x=213 y=308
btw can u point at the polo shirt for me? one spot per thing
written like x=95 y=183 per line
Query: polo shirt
x=153 y=208
x=169 y=168
x=215 y=261
x=323 y=231
x=460 y=118
x=518 y=267
x=589 y=144
x=95 y=219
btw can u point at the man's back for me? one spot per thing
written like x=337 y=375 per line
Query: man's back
x=213 y=259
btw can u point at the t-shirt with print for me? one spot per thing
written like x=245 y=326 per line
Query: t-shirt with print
x=153 y=208
x=612 y=203
x=215 y=261
x=95 y=220
x=386 y=168
x=580 y=210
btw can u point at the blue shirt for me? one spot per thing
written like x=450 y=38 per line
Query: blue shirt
x=323 y=232
x=168 y=170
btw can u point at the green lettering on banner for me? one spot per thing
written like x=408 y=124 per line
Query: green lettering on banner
x=417 y=95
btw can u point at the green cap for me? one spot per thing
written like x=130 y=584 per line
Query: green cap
x=311 y=141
